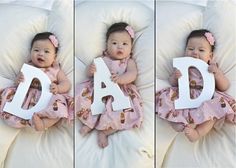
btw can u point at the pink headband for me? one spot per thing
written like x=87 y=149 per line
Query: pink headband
x=210 y=38
x=54 y=40
x=130 y=30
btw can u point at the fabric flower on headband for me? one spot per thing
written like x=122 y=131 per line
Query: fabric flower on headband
x=54 y=40
x=210 y=38
x=130 y=31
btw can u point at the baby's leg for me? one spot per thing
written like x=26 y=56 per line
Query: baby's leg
x=103 y=137
x=84 y=130
x=178 y=127
x=194 y=134
x=42 y=123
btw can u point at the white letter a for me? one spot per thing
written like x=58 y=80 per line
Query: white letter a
x=101 y=78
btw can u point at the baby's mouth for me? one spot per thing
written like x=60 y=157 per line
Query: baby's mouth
x=119 y=52
x=40 y=60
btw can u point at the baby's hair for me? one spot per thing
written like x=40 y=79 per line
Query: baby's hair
x=202 y=33
x=117 y=27
x=44 y=36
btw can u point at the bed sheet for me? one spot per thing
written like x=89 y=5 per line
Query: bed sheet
x=26 y=147
x=132 y=147
x=218 y=148
x=43 y=4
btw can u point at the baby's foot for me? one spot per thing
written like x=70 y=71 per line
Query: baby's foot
x=38 y=123
x=191 y=133
x=84 y=130
x=102 y=139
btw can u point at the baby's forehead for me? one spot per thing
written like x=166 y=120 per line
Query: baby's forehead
x=42 y=43
x=197 y=38
x=198 y=41
x=120 y=35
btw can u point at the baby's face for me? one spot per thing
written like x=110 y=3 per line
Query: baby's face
x=43 y=53
x=199 y=47
x=119 y=45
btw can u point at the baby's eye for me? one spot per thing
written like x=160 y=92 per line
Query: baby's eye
x=201 y=50
x=47 y=51
x=190 y=49
x=36 y=50
x=114 y=43
x=125 y=43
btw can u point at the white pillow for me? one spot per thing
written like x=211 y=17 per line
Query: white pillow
x=174 y=21
x=148 y=3
x=80 y=71
x=220 y=18
x=143 y=54
x=193 y=2
x=98 y=16
x=18 y=27
x=60 y=22
x=44 y=4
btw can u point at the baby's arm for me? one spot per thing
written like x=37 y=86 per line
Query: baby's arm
x=19 y=78
x=173 y=79
x=63 y=85
x=129 y=76
x=91 y=70
x=222 y=83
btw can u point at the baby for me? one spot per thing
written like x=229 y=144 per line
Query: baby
x=43 y=52
x=117 y=56
x=197 y=122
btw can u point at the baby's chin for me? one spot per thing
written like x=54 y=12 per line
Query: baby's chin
x=41 y=65
x=118 y=57
x=206 y=61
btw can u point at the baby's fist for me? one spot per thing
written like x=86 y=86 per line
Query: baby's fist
x=54 y=88
x=213 y=67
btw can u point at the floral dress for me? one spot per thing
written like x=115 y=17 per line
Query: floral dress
x=220 y=106
x=60 y=105
x=109 y=119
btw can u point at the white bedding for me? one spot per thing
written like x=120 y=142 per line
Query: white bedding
x=43 y=4
x=131 y=148
x=19 y=23
x=218 y=148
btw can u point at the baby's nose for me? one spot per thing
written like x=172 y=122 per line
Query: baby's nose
x=120 y=46
x=41 y=53
x=195 y=53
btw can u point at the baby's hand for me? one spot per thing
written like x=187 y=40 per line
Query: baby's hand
x=20 y=78
x=176 y=73
x=115 y=77
x=54 y=88
x=91 y=69
x=213 y=67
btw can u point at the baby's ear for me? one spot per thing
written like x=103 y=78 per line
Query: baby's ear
x=105 y=52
